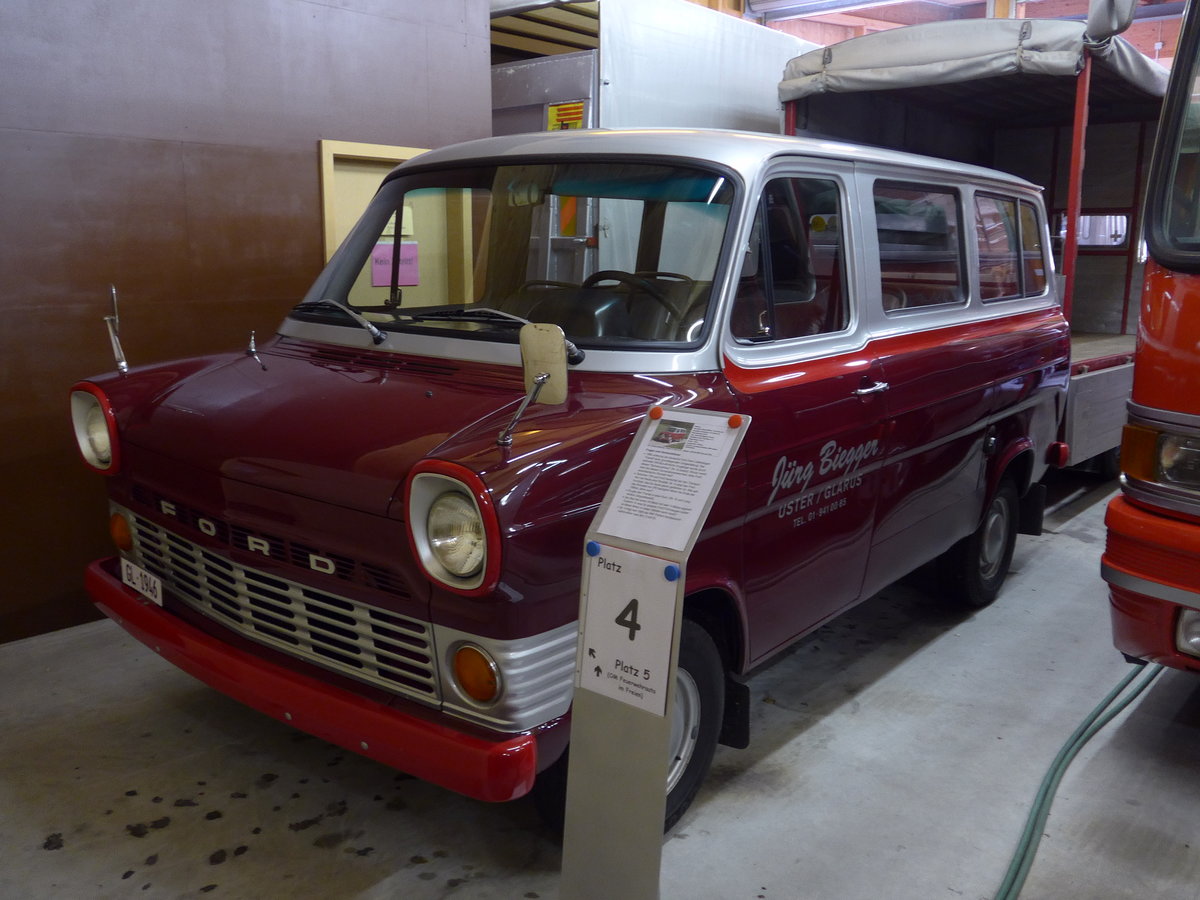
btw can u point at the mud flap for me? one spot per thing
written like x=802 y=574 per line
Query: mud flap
x=735 y=729
x=1032 y=507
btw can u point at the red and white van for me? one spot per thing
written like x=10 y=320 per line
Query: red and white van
x=355 y=529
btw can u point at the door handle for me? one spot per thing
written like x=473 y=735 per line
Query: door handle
x=877 y=388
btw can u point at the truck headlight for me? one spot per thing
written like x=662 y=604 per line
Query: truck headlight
x=452 y=527
x=1187 y=632
x=455 y=532
x=1179 y=459
x=95 y=427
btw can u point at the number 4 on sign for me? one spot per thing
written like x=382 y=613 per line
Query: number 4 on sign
x=628 y=618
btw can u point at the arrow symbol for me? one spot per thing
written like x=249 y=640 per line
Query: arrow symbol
x=599 y=671
x=591 y=653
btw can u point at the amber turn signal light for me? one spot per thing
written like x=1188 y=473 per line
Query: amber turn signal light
x=119 y=531
x=476 y=674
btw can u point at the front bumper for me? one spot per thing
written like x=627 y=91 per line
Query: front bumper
x=1152 y=565
x=486 y=770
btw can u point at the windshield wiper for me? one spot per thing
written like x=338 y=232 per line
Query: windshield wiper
x=376 y=335
x=494 y=316
x=465 y=314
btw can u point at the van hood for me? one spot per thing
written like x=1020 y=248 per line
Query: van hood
x=340 y=428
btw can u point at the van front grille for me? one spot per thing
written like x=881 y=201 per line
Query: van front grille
x=356 y=639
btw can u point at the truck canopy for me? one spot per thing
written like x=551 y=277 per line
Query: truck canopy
x=952 y=65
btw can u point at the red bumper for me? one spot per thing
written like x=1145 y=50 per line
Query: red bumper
x=1152 y=565
x=485 y=770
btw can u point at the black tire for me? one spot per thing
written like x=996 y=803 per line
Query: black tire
x=973 y=570
x=1108 y=464
x=695 y=726
x=696 y=718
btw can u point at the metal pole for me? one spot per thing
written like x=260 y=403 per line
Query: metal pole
x=1075 y=185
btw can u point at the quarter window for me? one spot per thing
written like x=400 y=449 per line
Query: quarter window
x=1032 y=252
x=920 y=247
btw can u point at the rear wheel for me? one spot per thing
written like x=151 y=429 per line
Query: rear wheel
x=695 y=726
x=973 y=570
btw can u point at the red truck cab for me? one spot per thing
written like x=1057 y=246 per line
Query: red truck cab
x=1152 y=556
x=359 y=528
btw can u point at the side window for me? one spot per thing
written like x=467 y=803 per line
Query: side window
x=997 y=237
x=920 y=248
x=1032 y=253
x=793 y=281
x=1009 y=235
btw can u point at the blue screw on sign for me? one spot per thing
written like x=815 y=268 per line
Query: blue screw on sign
x=593 y=549
x=671 y=573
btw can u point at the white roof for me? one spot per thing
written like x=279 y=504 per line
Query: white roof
x=963 y=50
x=744 y=151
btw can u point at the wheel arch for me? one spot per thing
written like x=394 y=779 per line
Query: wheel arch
x=1015 y=462
x=717 y=611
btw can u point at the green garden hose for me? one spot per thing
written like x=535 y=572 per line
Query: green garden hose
x=1104 y=713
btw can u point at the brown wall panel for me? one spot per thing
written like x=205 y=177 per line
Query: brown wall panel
x=171 y=148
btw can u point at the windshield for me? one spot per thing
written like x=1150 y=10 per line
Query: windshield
x=616 y=254
x=1172 y=220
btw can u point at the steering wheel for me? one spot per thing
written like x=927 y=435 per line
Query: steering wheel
x=633 y=281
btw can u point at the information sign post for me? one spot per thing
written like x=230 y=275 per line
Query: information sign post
x=631 y=601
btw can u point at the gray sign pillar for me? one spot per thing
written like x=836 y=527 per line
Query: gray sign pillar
x=631 y=603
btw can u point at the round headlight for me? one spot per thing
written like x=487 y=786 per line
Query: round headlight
x=455 y=533
x=95 y=431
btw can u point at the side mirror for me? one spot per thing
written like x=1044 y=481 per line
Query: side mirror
x=544 y=352
x=544 y=361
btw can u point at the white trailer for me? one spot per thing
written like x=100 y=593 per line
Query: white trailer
x=660 y=63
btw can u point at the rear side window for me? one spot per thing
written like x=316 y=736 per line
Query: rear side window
x=793 y=282
x=998 y=237
x=1033 y=254
x=1009 y=238
x=920 y=246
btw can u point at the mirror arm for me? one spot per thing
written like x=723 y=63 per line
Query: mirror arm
x=505 y=438
x=114 y=332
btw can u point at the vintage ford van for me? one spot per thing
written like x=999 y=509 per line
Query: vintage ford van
x=359 y=528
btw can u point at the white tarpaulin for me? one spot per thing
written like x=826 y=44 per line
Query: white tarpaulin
x=963 y=50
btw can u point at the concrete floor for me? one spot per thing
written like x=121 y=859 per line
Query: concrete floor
x=894 y=755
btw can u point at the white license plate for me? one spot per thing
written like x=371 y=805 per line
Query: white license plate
x=143 y=582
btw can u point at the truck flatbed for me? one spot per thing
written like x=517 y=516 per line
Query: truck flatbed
x=1100 y=351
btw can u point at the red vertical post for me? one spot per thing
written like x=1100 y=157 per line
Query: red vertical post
x=789 y=118
x=1075 y=184
x=1134 y=231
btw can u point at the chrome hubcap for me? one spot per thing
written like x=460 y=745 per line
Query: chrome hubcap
x=995 y=536
x=685 y=726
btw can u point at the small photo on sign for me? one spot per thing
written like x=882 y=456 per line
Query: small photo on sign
x=672 y=434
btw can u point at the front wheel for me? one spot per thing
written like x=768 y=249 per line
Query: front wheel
x=973 y=570
x=695 y=726
x=695 y=718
